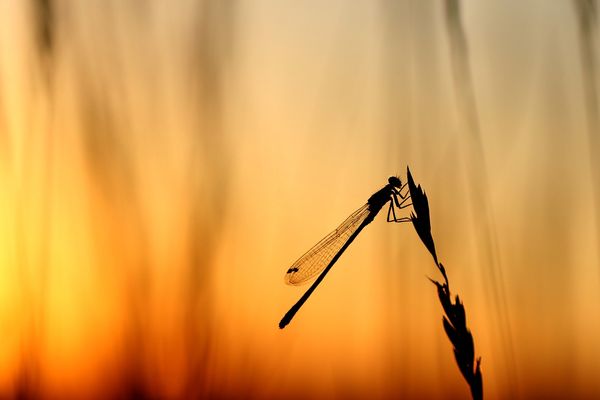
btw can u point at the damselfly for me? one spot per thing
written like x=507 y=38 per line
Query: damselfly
x=324 y=254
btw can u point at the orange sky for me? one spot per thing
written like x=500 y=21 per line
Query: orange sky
x=162 y=165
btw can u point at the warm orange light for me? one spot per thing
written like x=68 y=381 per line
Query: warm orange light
x=161 y=166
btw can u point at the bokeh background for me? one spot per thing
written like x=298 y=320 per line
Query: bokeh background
x=163 y=163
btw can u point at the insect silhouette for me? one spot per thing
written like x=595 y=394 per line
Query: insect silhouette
x=322 y=256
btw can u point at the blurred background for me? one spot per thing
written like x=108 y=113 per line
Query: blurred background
x=163 y=163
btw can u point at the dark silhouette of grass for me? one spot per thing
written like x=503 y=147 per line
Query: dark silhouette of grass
x=455 y=319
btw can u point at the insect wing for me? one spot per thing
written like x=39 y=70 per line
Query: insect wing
x=318 y=257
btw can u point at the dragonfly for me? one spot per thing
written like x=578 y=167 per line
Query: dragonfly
x=322 y=256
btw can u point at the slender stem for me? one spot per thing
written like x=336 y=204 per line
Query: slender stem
x=479 y=191
x=587 y=18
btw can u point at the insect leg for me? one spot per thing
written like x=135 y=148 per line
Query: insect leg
x=400 y=204
x=395 y=219
x=390 y=208
x=399 y=192
x=395 y=194
x=394 y=213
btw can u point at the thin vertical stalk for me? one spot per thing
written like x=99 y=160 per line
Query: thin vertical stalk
x=588 y=20
x=110 y=162
x=208 y=174
x=35 y=272
x=479 y=190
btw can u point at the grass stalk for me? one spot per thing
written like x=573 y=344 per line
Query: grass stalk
x=479 y=191
x=455 y=319
x=588 y=21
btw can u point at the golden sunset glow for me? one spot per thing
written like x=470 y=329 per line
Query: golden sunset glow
x=162 y=164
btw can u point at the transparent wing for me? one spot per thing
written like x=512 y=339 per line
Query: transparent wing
x=318 y=257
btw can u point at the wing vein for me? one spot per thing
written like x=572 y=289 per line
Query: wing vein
x=318 y=257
